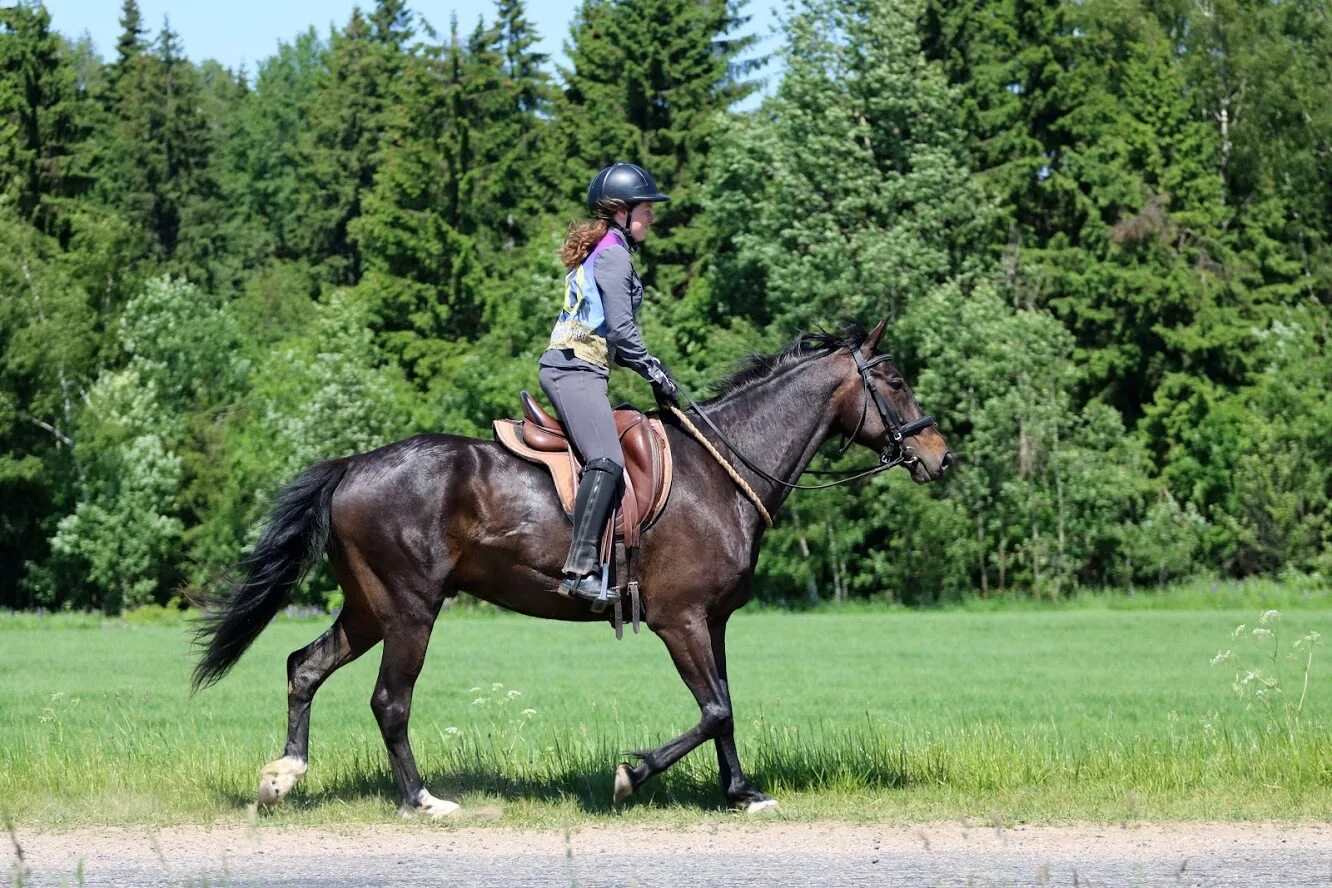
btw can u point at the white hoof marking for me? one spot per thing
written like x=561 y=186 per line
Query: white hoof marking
x=435 y=808
x=277 y=779
x=764 y=807
x=624 y=785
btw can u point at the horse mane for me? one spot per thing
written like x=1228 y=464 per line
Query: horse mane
x=755 y=367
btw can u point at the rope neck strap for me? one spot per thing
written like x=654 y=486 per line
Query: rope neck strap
x=725 y=464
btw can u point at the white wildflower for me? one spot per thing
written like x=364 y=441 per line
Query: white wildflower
x=473 y=690
x=1221 y=657
x=1239 y=630
x=1260 y=632
x=1270 y=616
x=529 y=712
x=451 y=731
x=513 y=694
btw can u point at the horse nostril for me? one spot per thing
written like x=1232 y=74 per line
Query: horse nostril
x=946 y=462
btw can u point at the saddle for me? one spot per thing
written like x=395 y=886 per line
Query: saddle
x=540 y=438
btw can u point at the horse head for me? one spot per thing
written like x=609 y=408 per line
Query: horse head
x=876 y=408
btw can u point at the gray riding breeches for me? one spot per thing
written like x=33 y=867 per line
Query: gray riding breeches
x=582 y=398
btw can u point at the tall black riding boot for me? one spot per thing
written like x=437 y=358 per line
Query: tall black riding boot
x=596 y=495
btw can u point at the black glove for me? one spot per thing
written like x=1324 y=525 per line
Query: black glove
x=663 y=384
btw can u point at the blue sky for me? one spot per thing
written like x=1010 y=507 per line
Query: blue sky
x=237 y=32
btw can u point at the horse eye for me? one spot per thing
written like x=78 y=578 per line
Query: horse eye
x=896 y=383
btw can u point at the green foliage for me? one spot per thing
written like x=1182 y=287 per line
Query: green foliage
x=48 y=354
x=1100 y=230
x=330 y=394
x=263 y=145
x=123 y=536
x=416 y=231
x=156 y=165
x=336 y=145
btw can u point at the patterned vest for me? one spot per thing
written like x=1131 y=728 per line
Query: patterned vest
x=582 y=323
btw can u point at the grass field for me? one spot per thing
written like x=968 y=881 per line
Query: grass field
x=891 y=716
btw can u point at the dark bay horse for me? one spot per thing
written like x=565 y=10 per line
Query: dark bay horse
x=413 y=523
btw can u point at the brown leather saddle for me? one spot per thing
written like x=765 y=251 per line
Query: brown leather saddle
x=540 y=438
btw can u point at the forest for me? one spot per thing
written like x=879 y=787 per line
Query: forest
x=1101 y=231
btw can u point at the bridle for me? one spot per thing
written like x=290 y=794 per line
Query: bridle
x=894 y=453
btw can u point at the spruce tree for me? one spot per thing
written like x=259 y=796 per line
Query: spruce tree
x=649 y=83
x=339 y=147
x=43 y=120
x=131 y=44
x=509 y=101
x=1081 y=117
x=158 y=160
x=456 y=192
x=418 y=258
x=847 y=193
x=524 y=67
x=263 y=145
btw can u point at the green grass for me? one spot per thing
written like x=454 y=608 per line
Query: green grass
x=1053 y=715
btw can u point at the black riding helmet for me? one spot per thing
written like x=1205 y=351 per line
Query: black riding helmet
x=625 y=182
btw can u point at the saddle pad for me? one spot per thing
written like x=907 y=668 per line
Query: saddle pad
x=648 y=470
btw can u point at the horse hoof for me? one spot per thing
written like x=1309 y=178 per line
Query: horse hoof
x=767 y=806
x=277 y=779
x=435 y=809
x=624 y=785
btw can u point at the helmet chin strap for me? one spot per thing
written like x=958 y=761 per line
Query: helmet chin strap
x=629 y=241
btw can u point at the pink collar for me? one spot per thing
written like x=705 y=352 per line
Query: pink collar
x=612 y=237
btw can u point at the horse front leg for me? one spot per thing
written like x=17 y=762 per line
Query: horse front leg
x=689 y=642
x=738 y=791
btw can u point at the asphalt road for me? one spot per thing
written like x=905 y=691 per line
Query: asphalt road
x=741 y=854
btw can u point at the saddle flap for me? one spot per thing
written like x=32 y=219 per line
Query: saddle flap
x=544 y=439
x=647 y=469
x=640 y=464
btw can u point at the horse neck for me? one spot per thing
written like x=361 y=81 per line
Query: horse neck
x=778 y=423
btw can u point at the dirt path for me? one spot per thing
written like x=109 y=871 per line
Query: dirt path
x=767 y=853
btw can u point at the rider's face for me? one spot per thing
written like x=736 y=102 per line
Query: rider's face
x=640 y=221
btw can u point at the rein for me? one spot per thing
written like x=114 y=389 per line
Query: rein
x=897 y=432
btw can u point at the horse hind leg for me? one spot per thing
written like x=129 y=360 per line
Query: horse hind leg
x=352 y=634
x=405 y=646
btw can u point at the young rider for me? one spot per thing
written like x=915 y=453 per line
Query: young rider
x=596 y=328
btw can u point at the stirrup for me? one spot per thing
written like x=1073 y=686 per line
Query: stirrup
x=592 y=589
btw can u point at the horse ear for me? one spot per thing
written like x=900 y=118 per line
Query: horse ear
x=872 y=340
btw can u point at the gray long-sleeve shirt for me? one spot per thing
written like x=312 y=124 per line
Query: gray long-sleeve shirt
x=621 y=294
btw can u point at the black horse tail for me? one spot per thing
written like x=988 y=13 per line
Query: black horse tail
x=295 y=537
